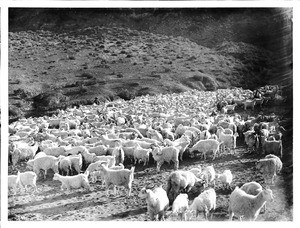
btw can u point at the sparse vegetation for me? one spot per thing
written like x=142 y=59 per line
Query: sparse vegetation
x=126 y=95
x=222 y=53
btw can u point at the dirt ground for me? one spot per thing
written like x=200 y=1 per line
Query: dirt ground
x=50 y=203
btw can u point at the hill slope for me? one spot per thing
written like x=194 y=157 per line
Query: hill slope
x=60 y=57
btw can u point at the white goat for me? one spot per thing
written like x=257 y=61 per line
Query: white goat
x=269 y=168
x=196 y=171
x=205 y=202
x=77 y=181
x=205 y=146
x=55 y=151
x=180 y=206
x=45 y=163
x=98 y=150
x=76 y=150
x=95 y=173
x=157 y=202
x=167 y=134
x=110 y=142
x=25 y=179
x=23 y=153
x=12 y=183
x=141 y=154
x=252 y=188
x=225 y=178
x=47 y=144
x=166 y=154
x=271 y=147
x=249 y=103
x=182 y=144
x=278 y=162
x=247 y=206
x=154 y=134
x=228 y=140
x=229 y=108
x=208 y=175
x=123 y=177
x=40 y=154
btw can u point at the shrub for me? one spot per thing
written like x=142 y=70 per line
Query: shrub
x=21 y=93
x=221 y=80
x=143 y=91
x=126 y=95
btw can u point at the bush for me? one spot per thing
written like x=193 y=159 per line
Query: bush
x=22 y=93
x=221 y=80
x=49 y=100
x=209 y=83
x=126 y=95
x=197 y=78
x=143 y=91
x=15 y=111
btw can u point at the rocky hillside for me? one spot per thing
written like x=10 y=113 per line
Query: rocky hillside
x=60 y=57
x=206 y=26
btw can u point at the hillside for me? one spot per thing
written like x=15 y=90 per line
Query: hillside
x=205 y=26
x=60 y=57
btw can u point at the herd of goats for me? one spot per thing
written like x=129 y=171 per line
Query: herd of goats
x=89 y=144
